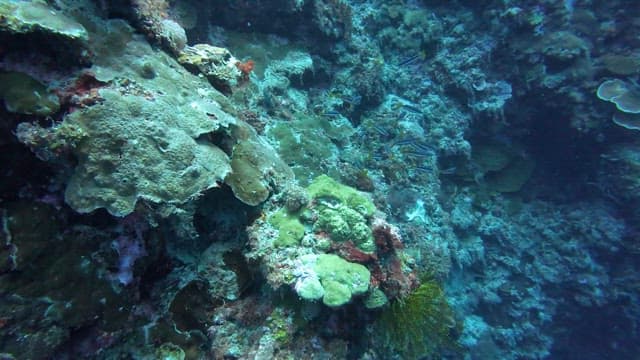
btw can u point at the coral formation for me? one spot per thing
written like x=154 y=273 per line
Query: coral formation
x=626 y=97
x=330 y=241
x=25 y=17
x=256 y=169
x=290 y=229
x=325 y=189
x=267 y=179
x=103 y=179
x=216 y=64
x=330 y=278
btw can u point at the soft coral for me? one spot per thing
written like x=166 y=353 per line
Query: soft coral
x=246 y=67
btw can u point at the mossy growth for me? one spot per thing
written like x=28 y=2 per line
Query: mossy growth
x=420 y=324
x=280 y=324
x=290 y=229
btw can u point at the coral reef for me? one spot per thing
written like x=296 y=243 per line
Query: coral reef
x=331 y=249
x=324 y=179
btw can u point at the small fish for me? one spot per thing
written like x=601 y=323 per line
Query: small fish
x=405 y=142
x=423 y=148
x=448 y=171
x=412 y=59
x=382 y=131
x=353 y=99
x=416 y=154
x=383 y=115
x=378 y=156
x=331 y=114
x=423 y=169
x=406 y=108
x=411 y=109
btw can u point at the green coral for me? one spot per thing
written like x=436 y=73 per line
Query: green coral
x=339 y=279
x=335 y=293
x=418 y=325
x=310 y=288
x=342 y=212
x=345 y=224
x=326 y=188
x=290 y=229
x=375 y=299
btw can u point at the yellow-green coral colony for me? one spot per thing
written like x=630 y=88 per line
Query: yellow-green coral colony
x=341 y=211
x=331 y=278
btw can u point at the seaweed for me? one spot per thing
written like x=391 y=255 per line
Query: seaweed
x=419 y=325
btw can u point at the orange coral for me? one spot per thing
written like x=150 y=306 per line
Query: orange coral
x=246 y=67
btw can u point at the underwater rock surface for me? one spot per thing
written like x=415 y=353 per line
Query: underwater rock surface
x=319 y=179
